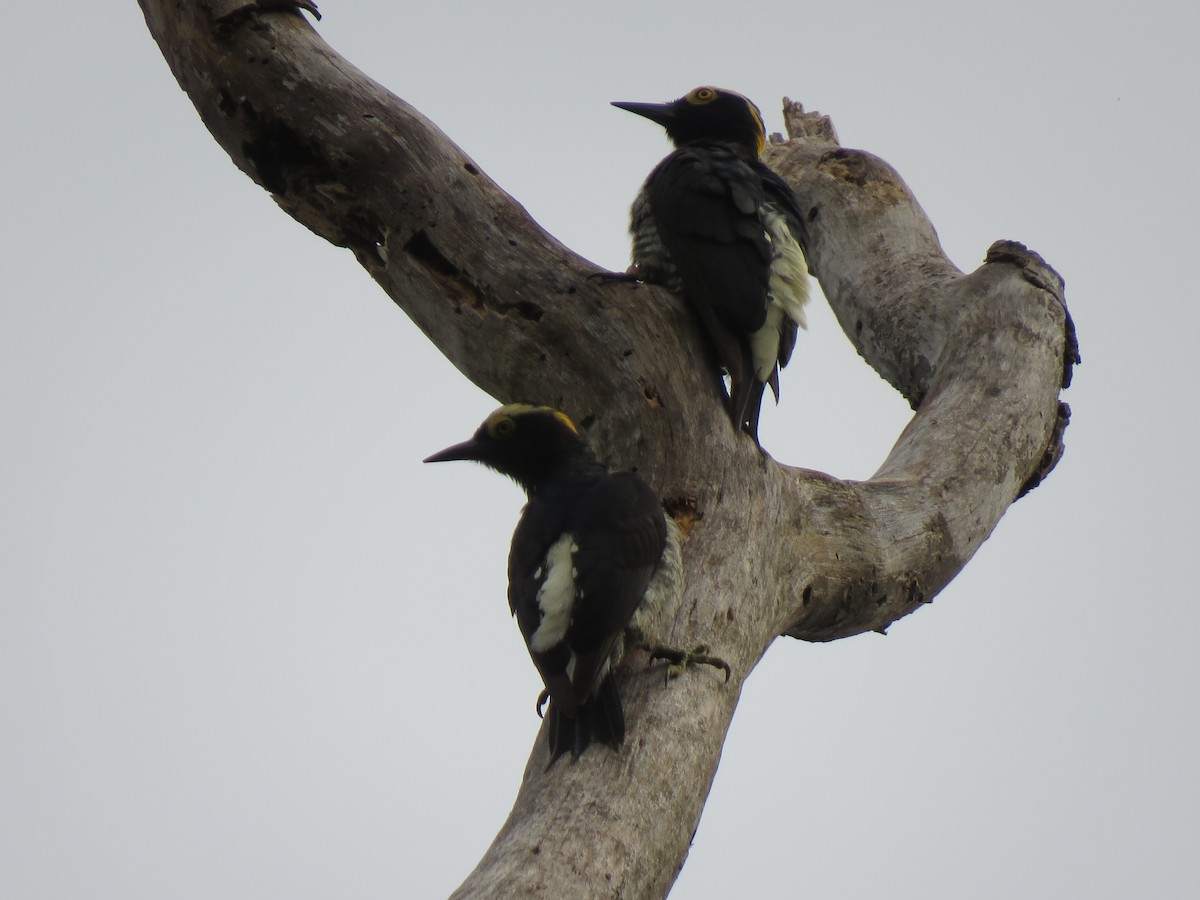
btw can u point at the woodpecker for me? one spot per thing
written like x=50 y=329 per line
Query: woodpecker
x=590 y=546
x=714 y=225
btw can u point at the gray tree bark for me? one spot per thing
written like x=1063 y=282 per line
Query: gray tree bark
x=769 y=550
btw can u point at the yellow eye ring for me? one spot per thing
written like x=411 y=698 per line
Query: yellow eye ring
x=702 y=95
x=503 y=427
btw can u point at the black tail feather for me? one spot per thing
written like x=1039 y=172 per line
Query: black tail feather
x=746 y=391
x=600 y=719
x=746 y=403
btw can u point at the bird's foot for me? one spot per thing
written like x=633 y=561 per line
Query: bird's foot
x=679 y=660
x=541 y=702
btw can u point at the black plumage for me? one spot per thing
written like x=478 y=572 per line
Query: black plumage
x=583 y=556
x=713 y=224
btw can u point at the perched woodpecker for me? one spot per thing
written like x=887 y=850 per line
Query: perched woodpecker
x=590 y=545
x=714 y=225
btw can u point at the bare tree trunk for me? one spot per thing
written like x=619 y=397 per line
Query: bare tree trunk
x=769 y=550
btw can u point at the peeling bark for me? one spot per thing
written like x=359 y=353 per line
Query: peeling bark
x=980 y=356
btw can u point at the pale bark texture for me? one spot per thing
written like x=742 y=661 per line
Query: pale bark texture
x=769 y=550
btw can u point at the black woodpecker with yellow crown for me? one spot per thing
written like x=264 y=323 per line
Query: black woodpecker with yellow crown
x=589 y=547
x=714 y=225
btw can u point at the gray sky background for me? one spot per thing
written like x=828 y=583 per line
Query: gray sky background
x=250 y=648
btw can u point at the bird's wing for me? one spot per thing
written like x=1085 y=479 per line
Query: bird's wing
x=540 y=528
x=621 y=536
x=603 y=547
x=779 y=194
x=705 y=201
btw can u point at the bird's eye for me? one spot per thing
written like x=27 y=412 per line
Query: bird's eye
x=503 y=427
x=702 y=95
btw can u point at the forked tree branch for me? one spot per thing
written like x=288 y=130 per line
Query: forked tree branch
x=769 y=549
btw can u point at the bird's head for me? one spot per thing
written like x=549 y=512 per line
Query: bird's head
x=527 y=443
x=707 y=114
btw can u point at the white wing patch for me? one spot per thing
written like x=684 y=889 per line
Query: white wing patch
x=556 y=596
x=787 y=292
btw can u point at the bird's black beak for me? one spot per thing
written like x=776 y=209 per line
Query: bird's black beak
x=662 y=113
x=465 y=450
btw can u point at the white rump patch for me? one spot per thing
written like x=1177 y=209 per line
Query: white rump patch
x=556 y=596
x=787 y=292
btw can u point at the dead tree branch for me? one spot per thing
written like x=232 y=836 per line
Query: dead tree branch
x=770 y=550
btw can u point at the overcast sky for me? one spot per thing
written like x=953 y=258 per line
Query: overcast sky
x=250 y=648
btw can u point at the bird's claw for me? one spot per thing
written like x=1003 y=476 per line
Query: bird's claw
x=541 y=702
x=679 y=660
